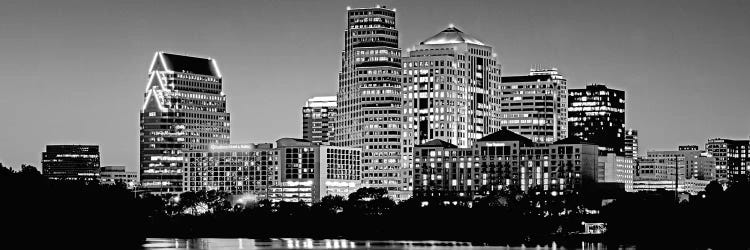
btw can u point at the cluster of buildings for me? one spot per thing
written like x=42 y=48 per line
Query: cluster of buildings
x=438 y=119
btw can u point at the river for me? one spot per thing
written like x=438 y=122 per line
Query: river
x=289 y=243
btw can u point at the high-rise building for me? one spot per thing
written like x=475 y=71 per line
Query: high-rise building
x=317 y=119
x=294 y=170
x=688 y=166
x=596 y=114
x=500 y=160
x=71 y=162
x=118 y=175
x=631 y=144
x=535 y=105
x=184 y=109
x=451 y=85
x=369 y=97
x=732 y=158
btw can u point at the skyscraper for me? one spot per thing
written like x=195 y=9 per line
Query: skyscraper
x=732 y=158
x=184 y=109
x=535 y=105
x=451 y=85
x=317 y=119
x=71 y=162
x=631 y=143
x=369 y=97
x=596 y=114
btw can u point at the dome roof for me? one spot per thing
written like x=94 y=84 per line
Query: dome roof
x=452 y=35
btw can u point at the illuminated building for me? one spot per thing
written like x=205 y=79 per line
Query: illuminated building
x=117 y=175
x=184 y=109
x=732 y=158
x=688 y=165
x=294 y=170
x=318 y=116
x=535 y=105
x=233 y=168
x=631 y=143
x=450 y=90
x=71 y=162
x=692 y=186
x=369 y=98
x=596 y=114
x=613 y=168
x=501 y=160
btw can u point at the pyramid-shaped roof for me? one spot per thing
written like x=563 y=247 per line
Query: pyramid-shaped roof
x=452 y=35
x=437 y=143
x=507 y=135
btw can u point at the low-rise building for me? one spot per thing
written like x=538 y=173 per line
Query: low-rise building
x=292 y=170
x=503 y=159
x=112 y=175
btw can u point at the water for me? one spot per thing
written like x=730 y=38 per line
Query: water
x=287 y=243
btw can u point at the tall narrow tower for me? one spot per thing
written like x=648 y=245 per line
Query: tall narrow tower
x=184 y=109
x=369 y=97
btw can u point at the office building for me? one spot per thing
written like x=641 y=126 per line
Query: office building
x=596 y=114
x=369 y=98
x=317 y=119
x=501 y=160
x=732 y=159
x=115 y=175
x=688 y=165
x=535 y=105
x=293 y=170
x=71 y=162
x=631 y=144
x=613 y=168
x=450 y=88
x=184 y=109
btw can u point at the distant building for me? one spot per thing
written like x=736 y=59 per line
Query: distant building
x=687 y=165
x=596 y=114
x=71 y=162
x=631 y=144
x=116 y=174
x=535 y=105
x=692 y=186
x=294 y=170
x=318 y=119
x=499 y=160
x=616 y=169
x=184 y=109
x=732 y=158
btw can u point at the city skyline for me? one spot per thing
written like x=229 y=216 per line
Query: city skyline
x=63 y=88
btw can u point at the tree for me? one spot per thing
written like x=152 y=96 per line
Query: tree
x=714 y=189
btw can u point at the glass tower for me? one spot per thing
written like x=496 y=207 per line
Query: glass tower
x=596 y=114
x=369 y=97
x=184 y=109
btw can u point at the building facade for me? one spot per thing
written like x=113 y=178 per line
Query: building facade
x=184 y=109
x=616 y=169
x=631 y=144
x=502 y=160
x=71 y=162
x=369 y=98
x=450 y=92
x=687 y=165
x=732 y=158
x=318 y=116
x=596 y=114
x=293 y=170
x=535 y=105
x=112 y=175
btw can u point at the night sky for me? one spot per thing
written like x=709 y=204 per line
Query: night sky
x=75 y=71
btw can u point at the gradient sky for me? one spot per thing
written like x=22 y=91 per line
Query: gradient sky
x=75 y=71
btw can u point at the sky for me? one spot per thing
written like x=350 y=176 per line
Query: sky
x=74 y=72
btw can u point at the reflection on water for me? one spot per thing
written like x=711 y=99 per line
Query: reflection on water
x=288 y=243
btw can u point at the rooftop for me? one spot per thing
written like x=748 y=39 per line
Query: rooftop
x=189 y=64
x=437 y=143
x=507 y=135
x=452 y=35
